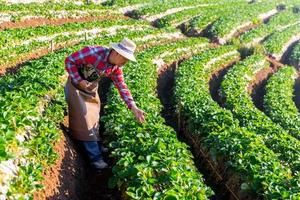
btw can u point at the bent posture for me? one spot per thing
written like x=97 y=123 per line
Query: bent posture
x=85 y=68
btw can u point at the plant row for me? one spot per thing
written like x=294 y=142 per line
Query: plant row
x=280 y=21
x=244 y=15
x=161 y=7
x=22 y=122
x=238 y=100
x=278 y=101
x=257 y=170
x=278 y=42
x=151 y=161
x=42 y=37
x=180 y=17
x=49 y=10
x=294 y=58
x=208 y=16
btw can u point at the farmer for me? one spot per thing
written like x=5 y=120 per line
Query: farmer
x=85 y=68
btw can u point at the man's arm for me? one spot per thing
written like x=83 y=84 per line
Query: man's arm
x=118 y=80
x=125 y=94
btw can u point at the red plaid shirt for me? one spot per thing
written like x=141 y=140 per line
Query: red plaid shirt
x=98 y=57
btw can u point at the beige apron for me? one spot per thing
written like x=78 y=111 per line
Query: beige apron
x=84 y=112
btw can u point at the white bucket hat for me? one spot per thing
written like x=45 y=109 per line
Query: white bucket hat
x=126 y=48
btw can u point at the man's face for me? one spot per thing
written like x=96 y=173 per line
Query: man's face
x=120 y=60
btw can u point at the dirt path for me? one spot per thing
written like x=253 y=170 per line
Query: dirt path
x=257 y=87
x=71 y=177
x=165 y=91
x=215 y=83
x=63 y=178
x=287 y=53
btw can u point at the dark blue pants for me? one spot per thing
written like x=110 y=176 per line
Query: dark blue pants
x=91 y=149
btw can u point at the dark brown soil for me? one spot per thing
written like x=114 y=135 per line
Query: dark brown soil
x=71 y=177
x=286 y=55
x=225 y=183
x=14 y=66
x=165 y=91
x=239 y=32
x=44 y=21
x=297 y=92
x=63 y=178
x=216 y=80
x=257 y=87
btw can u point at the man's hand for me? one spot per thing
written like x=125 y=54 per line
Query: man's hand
x=85 y=85
x=139 y=114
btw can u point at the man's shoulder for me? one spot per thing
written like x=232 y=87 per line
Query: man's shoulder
x=99 y=48
x=95 y=48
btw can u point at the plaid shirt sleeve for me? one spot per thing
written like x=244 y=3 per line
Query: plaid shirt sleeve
x=85 y=55
x=118 y=80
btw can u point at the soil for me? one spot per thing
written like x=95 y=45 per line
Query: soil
x=286 y=55
x=44 y=21
x=239 y=32
x=297 y=92
x=216 y=80
x=257 y=87
x=62 y=180
x=71 y=177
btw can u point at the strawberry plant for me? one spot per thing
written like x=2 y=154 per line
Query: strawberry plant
x=259 y=169
x=238 y=100
x=279 y=103
x=279 y=21
x=27 y=131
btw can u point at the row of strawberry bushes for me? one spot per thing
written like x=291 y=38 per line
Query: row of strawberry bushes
x=225 y=26
x=238 y=100
x=161 y=7
x=47 y=133
x=208 y=16
x=13 y=37
x=294 y=58
x=276 y=43
x=177 y=18
x=36 y=7
x=220 y=17
x=50 y=10
x=278 y=101
x=279 y=21
x=152 y=163
x=11 y=53
x=258 y=168
x=21 y=94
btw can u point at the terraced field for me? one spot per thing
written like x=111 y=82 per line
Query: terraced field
x=219 y=81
